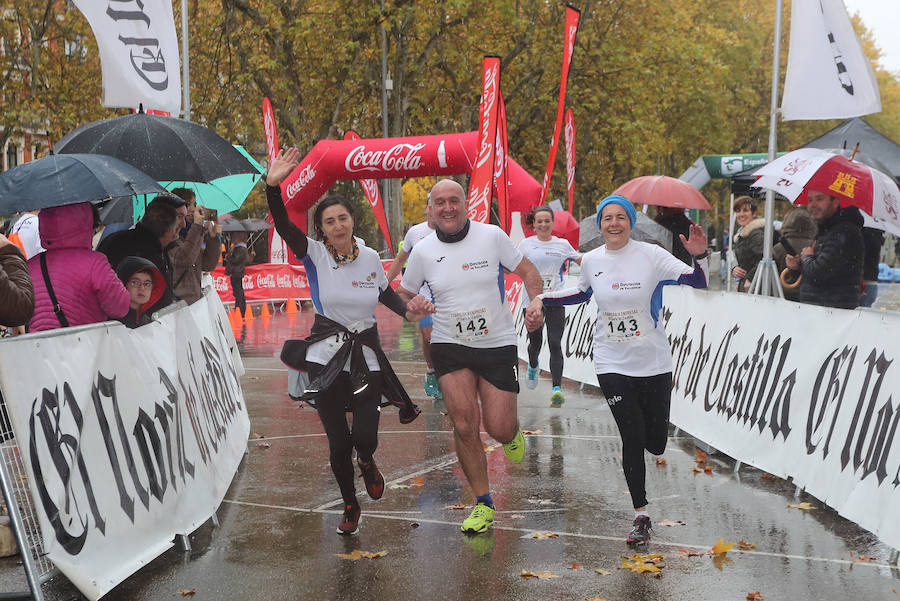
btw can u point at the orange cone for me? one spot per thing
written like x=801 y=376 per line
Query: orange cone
x=290 y=306
x=265 y=311
x=248 y=315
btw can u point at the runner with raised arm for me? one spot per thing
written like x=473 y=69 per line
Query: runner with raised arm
x=473 y=343
x=347 y=367
x=632 y=356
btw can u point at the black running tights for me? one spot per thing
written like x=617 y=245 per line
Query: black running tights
x=555 y=320
x=640 y=407
x=332 y=406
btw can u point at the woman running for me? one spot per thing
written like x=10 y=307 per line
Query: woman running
x=347 y=368
x=632 y=357
x=549 y=254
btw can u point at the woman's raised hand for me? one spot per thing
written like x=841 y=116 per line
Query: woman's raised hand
x=282 y=166
x=696 y=241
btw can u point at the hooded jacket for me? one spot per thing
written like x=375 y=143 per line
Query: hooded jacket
x=832 y=275
x=140 y=242
x=86 y=287
x=127 y=268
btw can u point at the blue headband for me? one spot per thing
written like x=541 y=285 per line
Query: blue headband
x=622 y=202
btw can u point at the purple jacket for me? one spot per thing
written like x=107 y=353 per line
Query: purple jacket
x=86 y=287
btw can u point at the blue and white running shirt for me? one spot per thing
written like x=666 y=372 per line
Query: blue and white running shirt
x=627 y=286
x=466 y=282
x=346 y=294
x=549 y=258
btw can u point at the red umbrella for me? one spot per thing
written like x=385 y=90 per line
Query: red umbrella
x=662 y=191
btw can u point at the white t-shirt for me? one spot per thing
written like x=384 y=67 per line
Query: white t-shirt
x=465 y=279
x=27 y=229
x=626 y=284
x=414 y=235
x=549 y=258
x=346 y=294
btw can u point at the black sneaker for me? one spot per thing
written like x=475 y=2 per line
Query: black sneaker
x=373 y=478
x=350 y=521
x=640 y=534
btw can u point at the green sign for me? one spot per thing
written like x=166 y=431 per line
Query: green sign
x=725 y=165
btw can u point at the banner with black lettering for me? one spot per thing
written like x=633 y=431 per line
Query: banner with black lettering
x=796 y=390
x=129 y=437
x=138 y=52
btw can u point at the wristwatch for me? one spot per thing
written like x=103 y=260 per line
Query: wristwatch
x=703 y=256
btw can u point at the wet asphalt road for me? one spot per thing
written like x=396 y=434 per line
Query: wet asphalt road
x=276 y=539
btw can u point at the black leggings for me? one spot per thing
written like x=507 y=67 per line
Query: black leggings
x=237 y=288
x=555 y=320
x=641 y=409
x=332 y=406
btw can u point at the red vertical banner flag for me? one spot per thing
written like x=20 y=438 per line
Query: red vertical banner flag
x=373 y=195
x=269 y=129
x=569 y=136
x=501 y=171
x=481 y=184
x=572 y=16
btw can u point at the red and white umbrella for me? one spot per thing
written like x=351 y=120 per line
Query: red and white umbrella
x=792 y=175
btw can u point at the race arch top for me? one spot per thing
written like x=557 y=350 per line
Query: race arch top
x=380 y=158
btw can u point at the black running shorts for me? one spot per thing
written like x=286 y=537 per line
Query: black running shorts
x=498 y=365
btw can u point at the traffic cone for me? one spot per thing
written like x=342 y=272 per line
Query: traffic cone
x=290 y=306
x=234 y=318
x=248 y=314
x=265 y=311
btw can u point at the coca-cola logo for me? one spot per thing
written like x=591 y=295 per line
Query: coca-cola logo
x=573 y=29
x=370 y=187
x=513 y=293
x=400 y=157
x=479 y=202
x=303 y=178
x=488 y=99
x=269 y=126
x=570 y=152
x=500 y=163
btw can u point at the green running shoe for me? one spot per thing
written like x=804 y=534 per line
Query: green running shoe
x=431 y=385
x=557 y=398
x=515 y=449
x=481 y=518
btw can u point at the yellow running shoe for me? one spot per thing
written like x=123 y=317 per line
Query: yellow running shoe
x=481 y=518
x=557 y=398
x=515 y=449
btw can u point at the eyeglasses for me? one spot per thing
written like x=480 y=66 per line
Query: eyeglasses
x=135 y=283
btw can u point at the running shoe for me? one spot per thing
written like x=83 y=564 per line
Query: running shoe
x=515 y=449
x=532 y=377
x=557 y=398
x=640 y=534
x=431 y=385
x=481 y=518
x=350 y=521
x=373 y=478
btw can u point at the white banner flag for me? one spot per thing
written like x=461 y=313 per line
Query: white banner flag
x=828 y=76
x=138 y=52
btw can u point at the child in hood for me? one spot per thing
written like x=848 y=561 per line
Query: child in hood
x=145 y=284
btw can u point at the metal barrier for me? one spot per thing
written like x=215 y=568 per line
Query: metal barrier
x=24 y=522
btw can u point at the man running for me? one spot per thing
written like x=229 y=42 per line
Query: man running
x=473 y=344
x=415 y=235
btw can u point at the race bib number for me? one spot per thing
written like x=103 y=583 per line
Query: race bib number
x=548 y=282
x=624 y=326
x=335 y=342
x=470 y=326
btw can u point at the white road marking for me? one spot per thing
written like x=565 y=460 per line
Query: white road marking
x=530 y=531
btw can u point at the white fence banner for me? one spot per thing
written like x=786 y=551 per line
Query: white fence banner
x=129 y=437
x=138 y=52
x=796 y=390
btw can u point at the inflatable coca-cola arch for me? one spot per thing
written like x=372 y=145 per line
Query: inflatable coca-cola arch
x=379 y=158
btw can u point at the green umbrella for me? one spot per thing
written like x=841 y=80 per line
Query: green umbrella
x=224 y=194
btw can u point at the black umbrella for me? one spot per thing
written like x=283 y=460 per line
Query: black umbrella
x=165 y=148
x=63 y=179
x=254 y=224
x=230 y=224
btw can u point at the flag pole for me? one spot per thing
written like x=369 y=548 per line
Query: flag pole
x=185 y=63
x=766 y=280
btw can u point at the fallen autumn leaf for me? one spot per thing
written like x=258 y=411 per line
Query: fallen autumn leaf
x=187 y=592
x=745 y=546
x=602 y=572
x=576 y=566
x=660 y=461
x=457 y=506
x=543 y=535
x=721 y=547
x=357 y=554
x=805 y=506
x=540 y=575
x=754 y=596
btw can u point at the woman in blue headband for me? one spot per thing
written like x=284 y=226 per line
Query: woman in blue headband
x=632 y=357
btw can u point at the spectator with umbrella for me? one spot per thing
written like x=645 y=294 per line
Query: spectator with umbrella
x=196 y=249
